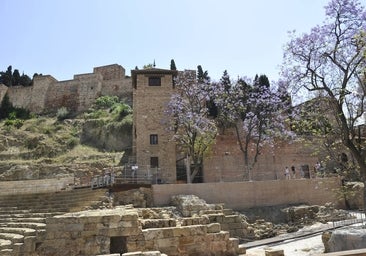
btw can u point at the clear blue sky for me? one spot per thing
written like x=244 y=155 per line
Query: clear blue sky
x=66 y=37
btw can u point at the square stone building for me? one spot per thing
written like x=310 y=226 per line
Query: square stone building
x=153 y=147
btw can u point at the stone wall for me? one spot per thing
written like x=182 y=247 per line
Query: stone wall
x=149 y=104
x=48 y=95
x=243 y=195
x=225 y=162
x=35 y=186
x=119 y=231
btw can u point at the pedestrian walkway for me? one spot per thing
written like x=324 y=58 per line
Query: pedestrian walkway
x=305 y=232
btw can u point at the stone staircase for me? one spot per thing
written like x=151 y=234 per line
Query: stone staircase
x=23 y=216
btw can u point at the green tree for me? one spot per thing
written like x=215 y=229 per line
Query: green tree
x=25 y=80
x=329 y=61
x=187 y=116
x=16 y=77
x=202 y=76
x=6 y=107
x=172 y=65
x=7 y=77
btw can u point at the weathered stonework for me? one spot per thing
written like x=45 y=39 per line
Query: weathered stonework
x=225 y=161
x=158 y=157
x=47 y=95
x=119 y=230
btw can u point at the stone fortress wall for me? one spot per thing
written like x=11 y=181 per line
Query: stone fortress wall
x=47 y=95
x=224 y=162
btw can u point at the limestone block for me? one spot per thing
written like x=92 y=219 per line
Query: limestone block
x=186 y=240
x=181 y=231
x=213 y=228
x=234 y=225
x=344 y=239
x=230 y=219
x=167 y=242
x=274 y=252
x=216 y=218
x=153 y=233
x=325 y=239
x=225 y=226
x=168 y=232
x=242 y=249
x=233 y=245
x=152 y=253
x=18 y=248
x=198 y=230
x=139 y=253
x=130 y=215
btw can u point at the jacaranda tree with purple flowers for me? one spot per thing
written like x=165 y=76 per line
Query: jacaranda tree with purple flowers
x=255 y=112
x=187 y=115
x=330 y=62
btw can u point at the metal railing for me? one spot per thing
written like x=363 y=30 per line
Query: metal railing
x=353 y=218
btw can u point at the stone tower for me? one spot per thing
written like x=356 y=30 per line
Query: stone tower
x=152 y=144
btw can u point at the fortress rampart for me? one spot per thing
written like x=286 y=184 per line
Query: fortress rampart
x=47 y=94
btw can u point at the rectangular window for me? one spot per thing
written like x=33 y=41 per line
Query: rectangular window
x=154 y=162
x=153 y=139
x=154 y=81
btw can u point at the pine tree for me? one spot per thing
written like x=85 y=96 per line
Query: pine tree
x=202 y=76
x=16 y=77
x=172 y=65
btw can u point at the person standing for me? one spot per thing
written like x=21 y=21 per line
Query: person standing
x=287 y=173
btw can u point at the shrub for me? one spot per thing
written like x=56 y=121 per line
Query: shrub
x=120 y=111
x=62 y=113
x=106 y=101
x=72 y=142
x=17 y=123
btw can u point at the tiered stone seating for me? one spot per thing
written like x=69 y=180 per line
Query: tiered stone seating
x=23 y=216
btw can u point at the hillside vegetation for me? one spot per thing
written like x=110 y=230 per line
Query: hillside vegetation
x=51 y=146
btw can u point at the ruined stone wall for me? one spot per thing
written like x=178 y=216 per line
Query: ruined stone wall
x=31 y=97
x=243 y=195
x=115 y=82
x=47 y=95
x=225 y=162
x=3 y=90
x=118 y=230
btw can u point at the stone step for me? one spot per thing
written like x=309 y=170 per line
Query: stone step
x=31 y=225
x=14 y=238
x=6 y=252
x=55 y=205
x=50 y=201
x=31 y=215
x=33 y=211
x=20 y=231
x=5 y=244
x=68 y=199
x=32 y=220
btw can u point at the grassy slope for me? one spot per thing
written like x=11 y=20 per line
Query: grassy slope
x=47 y=141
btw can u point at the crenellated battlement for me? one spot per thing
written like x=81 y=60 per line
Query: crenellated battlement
x=47 y=94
